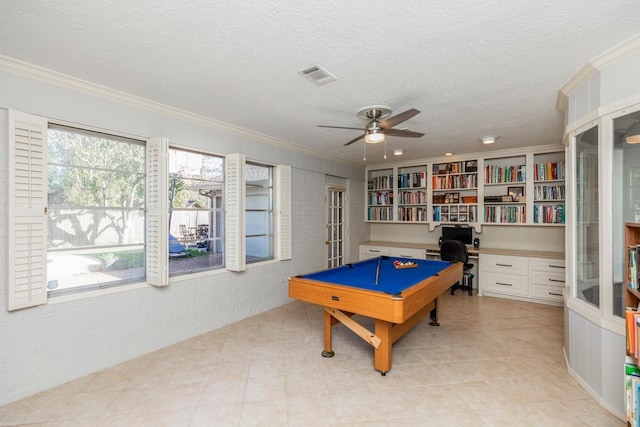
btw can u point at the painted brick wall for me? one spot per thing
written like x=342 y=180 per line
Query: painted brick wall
x=44 y=346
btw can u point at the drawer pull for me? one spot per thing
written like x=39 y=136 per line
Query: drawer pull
x=556 y=280
x=556 y=266
x=504 y=284
x=504 y=265
x=374 y=250
x=406 y=256
x=555 y=294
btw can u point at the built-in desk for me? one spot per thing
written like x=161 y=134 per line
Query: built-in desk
x=535 y=276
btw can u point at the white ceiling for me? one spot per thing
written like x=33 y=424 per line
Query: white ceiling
x=474 y=68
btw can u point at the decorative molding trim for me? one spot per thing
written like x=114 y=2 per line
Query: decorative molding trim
x=32 y=71
x=593 y=67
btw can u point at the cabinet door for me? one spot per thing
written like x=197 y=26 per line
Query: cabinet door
x=504 y=264
x=408 y=253
x=504 y=284
x=367 y=251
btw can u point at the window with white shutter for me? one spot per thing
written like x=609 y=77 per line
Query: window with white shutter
x=283 y=208
x=26 y=211
x=235 y=215
x=157 y=211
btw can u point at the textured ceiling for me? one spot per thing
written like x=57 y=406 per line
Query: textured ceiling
x=474 y=68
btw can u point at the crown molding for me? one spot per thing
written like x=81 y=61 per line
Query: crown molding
x=593 y=67
x=49 y=76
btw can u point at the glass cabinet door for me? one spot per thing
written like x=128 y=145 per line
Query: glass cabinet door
x=587 y=259
x=626 y=195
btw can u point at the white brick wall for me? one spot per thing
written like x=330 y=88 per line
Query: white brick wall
x=44 y=346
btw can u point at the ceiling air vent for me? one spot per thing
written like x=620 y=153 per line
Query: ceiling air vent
x=317 y=74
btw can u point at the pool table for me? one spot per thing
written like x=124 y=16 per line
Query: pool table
x=397 y=297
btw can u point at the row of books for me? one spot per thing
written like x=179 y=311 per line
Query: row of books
x=499 y=174
x=380 y=182
x=549 y=214
x=454 y=182
x=412 y=180
x=413 y=197
x=380 y=198
x=549 y=192
x=413 y=214
x=548 y=171
x=380 y=214
x=505 y=214
x=632 y=391
x=633 y=257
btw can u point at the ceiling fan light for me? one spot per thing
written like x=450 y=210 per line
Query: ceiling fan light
x=398 y=152
x=633 y=134
x=374 y=136
x=488 y=139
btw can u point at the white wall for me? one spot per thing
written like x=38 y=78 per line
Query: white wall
x=44 y=346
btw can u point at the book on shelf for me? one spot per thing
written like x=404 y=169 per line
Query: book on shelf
x=632 y=382
x=632 y=266
x=549 y=171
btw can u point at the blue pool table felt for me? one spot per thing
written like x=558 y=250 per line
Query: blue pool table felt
x=390 y=279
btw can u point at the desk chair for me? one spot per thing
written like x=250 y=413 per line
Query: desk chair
x=456 y=251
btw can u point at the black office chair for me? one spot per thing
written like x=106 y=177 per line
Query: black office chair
x=456 y=251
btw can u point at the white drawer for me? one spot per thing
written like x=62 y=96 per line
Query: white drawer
x=367 y=251
x=550 y=293
x=547 y=264
x=504 y=284
x=504 y=264
x=408 y=253
x=548 y=278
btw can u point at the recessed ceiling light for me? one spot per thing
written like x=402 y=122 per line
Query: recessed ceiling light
x=398 y=152
x=448 y=154
x=489 y=139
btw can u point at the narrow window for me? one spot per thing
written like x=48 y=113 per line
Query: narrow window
x=196 y=215
x=259 y=212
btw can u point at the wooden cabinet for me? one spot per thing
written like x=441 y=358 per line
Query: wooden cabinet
x=522 y=277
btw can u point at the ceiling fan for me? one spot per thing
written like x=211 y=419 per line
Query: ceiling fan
x=376 y=129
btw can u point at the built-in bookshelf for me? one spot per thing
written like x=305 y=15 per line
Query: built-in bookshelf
x=632 y=320
x=549 y=189
x=380 y=195
x=412 y=194
x=455 y=192
x=505 y=190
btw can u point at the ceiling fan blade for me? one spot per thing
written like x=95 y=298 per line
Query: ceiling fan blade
x=354 y=140
x=338 y=127
x=399 y=118
x=403 y=133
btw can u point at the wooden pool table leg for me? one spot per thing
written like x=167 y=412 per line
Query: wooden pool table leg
x=328 y=325
x=434 y=314
x=382 y=354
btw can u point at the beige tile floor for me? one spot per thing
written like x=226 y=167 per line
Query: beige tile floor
x=492 y=362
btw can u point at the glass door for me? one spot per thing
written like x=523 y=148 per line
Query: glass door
x=587 y=258
x=335 y=225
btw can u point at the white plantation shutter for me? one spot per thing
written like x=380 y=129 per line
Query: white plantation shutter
x=235 y=217
x=283 y=209
x=26 y=211
x=157 y=201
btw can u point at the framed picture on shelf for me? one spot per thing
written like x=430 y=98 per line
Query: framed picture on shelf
x=515 y=192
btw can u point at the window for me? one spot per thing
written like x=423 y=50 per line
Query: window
x=96 y=210
x=196 y=218
x=258 y=212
